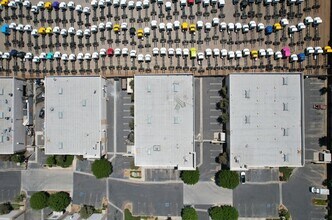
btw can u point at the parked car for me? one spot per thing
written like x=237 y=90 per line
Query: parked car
x=243 y=177
x=42 y=113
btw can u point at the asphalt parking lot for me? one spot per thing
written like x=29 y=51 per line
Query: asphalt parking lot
x=206 y=114
x=301 y=207
x=161 y=174
x=120 y=163
x=204 y=36
x=10 y=185
x=262 y=175
x=88 y=190
x=206 y=193
x=259 y=201
x=151 y=199
x=47 y=179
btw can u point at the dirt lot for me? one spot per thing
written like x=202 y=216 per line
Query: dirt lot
x=124 y=65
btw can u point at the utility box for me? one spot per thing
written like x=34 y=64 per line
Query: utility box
x=218 y=138
x=322 y=157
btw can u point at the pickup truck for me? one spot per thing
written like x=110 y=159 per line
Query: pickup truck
x=321 y=191
x=322 y=157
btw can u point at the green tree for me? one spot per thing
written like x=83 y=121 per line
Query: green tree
x=101 y=168
x=132 y=124
x=223 y=213
x=59 y=201
x=50 y=161
x=17 y=158
x=86 y=211
x=5 y=208
x=189 y=213
x=283 y=213
x=227 y=179
x=190 y=177
x=39 y=200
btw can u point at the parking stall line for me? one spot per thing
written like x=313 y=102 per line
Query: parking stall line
x=214 y=97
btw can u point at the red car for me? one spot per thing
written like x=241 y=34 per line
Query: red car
x=110 y=52
x=320 y=107
x=190 y=2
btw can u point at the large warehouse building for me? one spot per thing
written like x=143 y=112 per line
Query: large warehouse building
x=164 y=121
x=75 y=116
x=266 y=120
x=12 y=135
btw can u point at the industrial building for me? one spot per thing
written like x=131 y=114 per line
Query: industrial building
x=266 y=120
x=164 y=121
x=12 y=108
x=75 y=116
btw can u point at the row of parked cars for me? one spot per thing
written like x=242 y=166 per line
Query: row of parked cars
x=192 y=53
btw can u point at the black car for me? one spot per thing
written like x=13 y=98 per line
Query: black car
x=21 y=54
x=243 y=177
x=42 y=113
x=132 y=31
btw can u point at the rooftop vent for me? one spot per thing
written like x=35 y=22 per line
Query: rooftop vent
x=247 y=119
x=284 y=81
x=285 y=131
x=60 y=91
x=176 y=87
x=285 y=106
x=247 y=94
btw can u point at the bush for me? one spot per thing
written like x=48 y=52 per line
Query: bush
x=189 y=213
x=101 y=168
x=5 y=208
x=284 y=214
x=223 y=212
x=227 y=179
x=190 y=177
x=132 y=110
x=86 y=211
x=17 y=158
x=59 y=201
x=39 y=200
x=20 y=197
x=63 y=161
x=50 y=161
x=286 y=173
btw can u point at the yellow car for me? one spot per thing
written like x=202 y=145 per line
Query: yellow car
x=4 y=2
x=42 y=30
x=327 y=49
x=116 y=28
x=140 y=33
x=254 y=54
x=193 y=53
x=277 y=27
x=184 y=26
x=49 y=30
x=48 y=5
x=192 y=28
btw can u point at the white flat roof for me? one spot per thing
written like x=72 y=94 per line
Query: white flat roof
x=75 y=116
x=164 y=121
x=12 y=130
x=266 y=120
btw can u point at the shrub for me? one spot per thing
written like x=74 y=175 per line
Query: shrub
x=17 y=158
x=59 y=201
x=286 y=173
x=101 y=168
x=190 y=177
x=86 y=211
x=5 y=208
x=227 y=179
x=223 y=212
x=39 y=200
x=189 y=213
x=50 y=161
x=20 y=197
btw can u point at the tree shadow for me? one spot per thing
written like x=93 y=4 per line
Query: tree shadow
x=322 y=141
x=323 y=91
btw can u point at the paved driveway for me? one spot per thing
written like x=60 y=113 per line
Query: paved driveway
x=206 y=193
x=47 y=179
x=261 y=200
x=152 y=199
x=10 y=185
x=88 y=190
